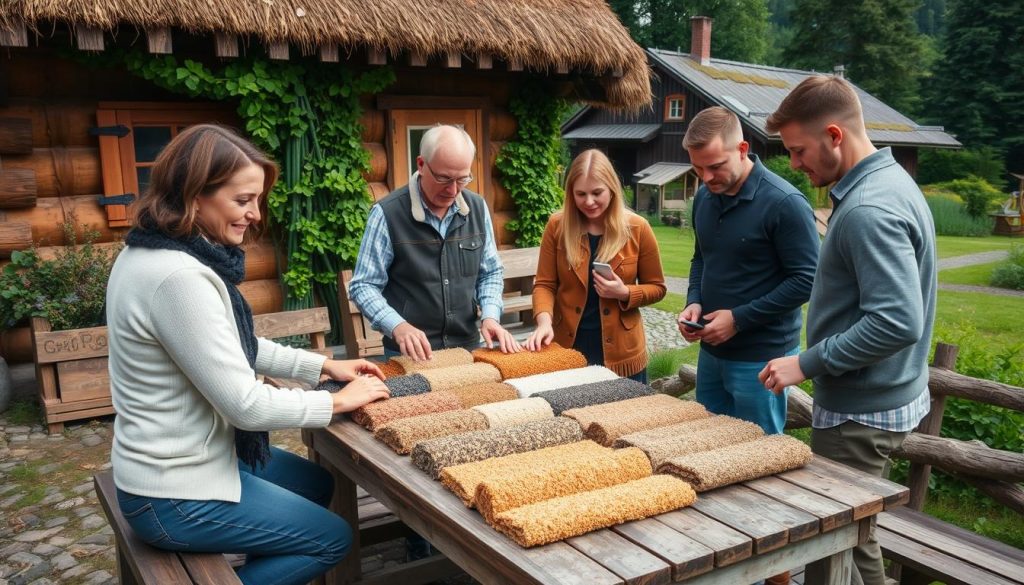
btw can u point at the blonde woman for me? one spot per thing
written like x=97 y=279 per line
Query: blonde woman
x=578 y=304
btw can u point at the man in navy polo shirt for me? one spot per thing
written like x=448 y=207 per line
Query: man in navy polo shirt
x=753 y=265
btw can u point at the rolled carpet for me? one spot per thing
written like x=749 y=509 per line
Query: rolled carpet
x=515 y=412
x=562 y=477
x=599 y=392
x=442 y=379
x=694 y=436
x=463 y=479
x=442 y=358
x=740 y=462
x=403 y=434
x=552 y=358
x=377 y=414
x=407 y=385
x=606 y=422
x=391 y=368
x=476 y=394
x=531 y=385
x=435 y=454
x=567 y=516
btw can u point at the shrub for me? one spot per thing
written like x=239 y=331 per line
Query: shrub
x=937 y=166
x=951 y=219
x=1010 y=272
x=976 y=193
x=629 y=197
x=780 y=166
x=672 y=218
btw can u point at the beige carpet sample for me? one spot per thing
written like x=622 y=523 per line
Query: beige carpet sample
x=567 y=516
x=606 y=422
x=693 y=436
x=441 y=358
x=552 y=358
x=403 y=434
x=377 y=414
x=449 y=378
x=476 y=394
x=531 y=385
x=463 y=479
x=560 y=477
x=515 y=412
x=435 y=454
x=708 y=470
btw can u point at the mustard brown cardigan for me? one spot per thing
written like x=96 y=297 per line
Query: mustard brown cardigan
x=561 y=290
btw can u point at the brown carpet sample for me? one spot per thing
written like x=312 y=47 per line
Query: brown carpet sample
x=694 y=436
x=476 y=394
x=442 y=358
x=391 y=369
x=598 y=392
x=463 y=479
x=377 y=414
x=403 y=434
x=606 y=422
x=531 y=385
x=740 y=462
x=407 y=385
x=552 y=358
x=515 y=412
x=435 y=454
x=442 y=379
x=559 y=478
x=567 y=516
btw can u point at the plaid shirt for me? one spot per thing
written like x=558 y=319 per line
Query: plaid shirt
x=898 y=420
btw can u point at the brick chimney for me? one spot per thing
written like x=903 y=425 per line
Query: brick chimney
x=700 y=39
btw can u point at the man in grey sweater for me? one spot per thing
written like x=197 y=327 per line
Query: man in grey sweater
x=872 y=305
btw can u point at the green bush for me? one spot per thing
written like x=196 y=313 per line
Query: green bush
x=1010 y=272
x=628 y=197
x=663 y=363
x=951 y=219
x=976 y=193
x=780 y=166
x=937 y=166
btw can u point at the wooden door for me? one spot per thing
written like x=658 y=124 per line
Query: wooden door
x=407 y=128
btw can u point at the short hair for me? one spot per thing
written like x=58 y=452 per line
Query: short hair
x=195 y=163
x=816 y=98
x=431 y=140
x=711 y=123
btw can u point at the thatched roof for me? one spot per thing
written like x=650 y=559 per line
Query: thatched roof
x=584 y=35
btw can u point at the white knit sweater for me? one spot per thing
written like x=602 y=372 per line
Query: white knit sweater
x=181 y=383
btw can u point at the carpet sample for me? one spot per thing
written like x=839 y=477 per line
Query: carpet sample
x=601 y=392
x=557 y=478
x=435 y=454
x=443 y=379
x=391 y=369
x=740 y=462
x=442 y=358
x=477 y=394
x=606 y=422
x=377 y=414
x=693 y=436
x=463 y=479
x=403 y=434
x=410 y=385
x=531 y=385
x=552 y=358
x=515 y=412
x=567 y=516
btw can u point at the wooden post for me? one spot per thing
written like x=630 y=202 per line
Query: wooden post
x=945 y=358
x=376 y=56
x=417 y=59
x=159 y=40
x=453 y=60
x=278 y=51
x=484 y=61
x=14 y=35
x=89 y=38
x=225 y=45
x=329 y=53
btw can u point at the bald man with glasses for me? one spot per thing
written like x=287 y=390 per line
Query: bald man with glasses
x=428 y=261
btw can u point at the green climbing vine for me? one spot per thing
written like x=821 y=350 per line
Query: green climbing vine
x=530 y=164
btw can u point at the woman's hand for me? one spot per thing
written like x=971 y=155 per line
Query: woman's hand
x=611 y=288
x=348 y=370
x=359 y=392
x=541 y=337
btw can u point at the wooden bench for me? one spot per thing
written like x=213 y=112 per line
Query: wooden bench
x=520 y=268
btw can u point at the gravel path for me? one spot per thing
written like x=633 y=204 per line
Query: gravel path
x=989 y=290
x=972 y=259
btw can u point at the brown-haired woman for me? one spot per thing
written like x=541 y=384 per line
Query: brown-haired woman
x=191 y=456
x=573 y=303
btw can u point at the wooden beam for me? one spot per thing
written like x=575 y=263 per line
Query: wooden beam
x=417 y=59
x=225 y=45
x=278 y=51
x=17 y=188
x=515 y=65
x=453 y=60
x=329 y=53
x=15 y=135
x=484 y=61
x=972 y=458
x=14 y=235
x=14 y=35
x=941 y=381
x=376 y=56
x=562 y=69
x=159 y=40
x=89 y=38
x=945 y=358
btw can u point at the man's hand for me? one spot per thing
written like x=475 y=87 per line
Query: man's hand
x=781 y=372
x=494 y=332
x=348 y=370
x=412 y=342
x=719 y=327
x=611 y=288
x=691 y=313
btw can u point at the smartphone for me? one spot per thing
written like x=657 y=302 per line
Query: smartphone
x=691 y=324
x=605 y=270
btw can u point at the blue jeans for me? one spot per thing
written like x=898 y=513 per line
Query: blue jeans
x=731 y=387
x=281 y=522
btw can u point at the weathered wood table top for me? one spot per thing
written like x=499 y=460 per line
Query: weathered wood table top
x=737 y=534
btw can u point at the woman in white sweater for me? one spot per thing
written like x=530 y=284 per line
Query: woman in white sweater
x=191 y=455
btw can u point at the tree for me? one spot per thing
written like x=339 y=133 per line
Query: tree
x=877 y=41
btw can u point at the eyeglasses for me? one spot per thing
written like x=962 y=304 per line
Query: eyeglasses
x=443 y=180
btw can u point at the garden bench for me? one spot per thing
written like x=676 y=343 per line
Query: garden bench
x=520 y=268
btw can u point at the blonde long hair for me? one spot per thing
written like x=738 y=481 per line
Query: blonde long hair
x=594 y=164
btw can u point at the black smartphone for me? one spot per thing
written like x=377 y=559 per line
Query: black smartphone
x=691 y=324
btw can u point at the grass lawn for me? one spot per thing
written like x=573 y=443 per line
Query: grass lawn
x=977 y=275
x=997 y=321
x=949 y=246
x=676 y=248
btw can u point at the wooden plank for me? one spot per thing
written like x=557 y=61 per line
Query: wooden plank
x=453 y=60
x=209 y=568
x=519 y=262
x=288 y=323
x=278 y=51
x=15 y=135
x=14 y=35
x=484 y=61
x=830 y=513
x=329 y=53
x=961 y=534
x=627 y=560
x=426 y=570
x=731 y=506
x=372 y=509
x=863 y=502
x=18 y=188
x=73 y=344
x=79 y=414
x=88 y=38
x=417 y=59
x=934 y=563
x=514 y=65
x=83 y=379
x=837 y=569
x=568 y=565
x=225 y=45
x=59 y=408
x=685 y=556
x=893 y=494
x=159 y=40
x=729 y=546
x=516 y=303
x=14 y=235
x=376 y=56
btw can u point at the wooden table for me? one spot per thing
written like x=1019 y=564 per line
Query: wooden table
x=812 y=516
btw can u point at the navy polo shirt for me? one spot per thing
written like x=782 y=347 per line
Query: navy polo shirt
x=756 y=253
